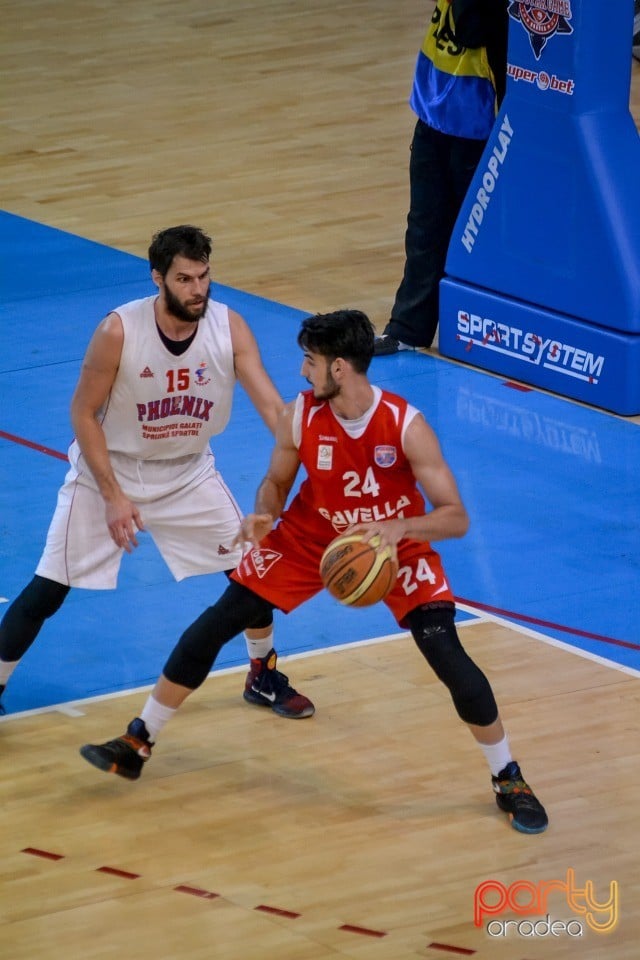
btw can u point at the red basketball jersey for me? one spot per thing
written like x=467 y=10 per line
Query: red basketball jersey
x=353 y=480
x=350 y=479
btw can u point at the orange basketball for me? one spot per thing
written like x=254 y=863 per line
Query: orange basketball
x=356 y=573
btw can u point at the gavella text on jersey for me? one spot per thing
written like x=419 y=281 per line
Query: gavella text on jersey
x=341 y=519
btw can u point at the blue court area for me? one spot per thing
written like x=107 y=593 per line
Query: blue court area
x=551 y=487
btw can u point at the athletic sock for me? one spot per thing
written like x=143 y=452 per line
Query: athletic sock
x=257 y=648
x=155 y=715
x=498 y=755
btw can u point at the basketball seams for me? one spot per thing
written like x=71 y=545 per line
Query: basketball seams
x=381 y=562
x=333 y=568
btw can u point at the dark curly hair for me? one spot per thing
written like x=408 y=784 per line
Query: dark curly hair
x=184 y=241
x=344 y=333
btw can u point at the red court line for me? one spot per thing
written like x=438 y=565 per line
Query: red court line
x=43 y=853
x=536 y=621
x=277 y=911
x=349 y=928
x=33 y=446
x=209 y=895
x=115 y=872
x=196 y=892
x=464 y=951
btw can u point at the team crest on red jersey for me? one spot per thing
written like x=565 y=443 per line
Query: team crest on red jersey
x=325 y=456
x=385 y=455
x=263 y=559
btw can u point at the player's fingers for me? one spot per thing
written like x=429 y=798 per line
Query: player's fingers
x=245 y=534
x=360 y=528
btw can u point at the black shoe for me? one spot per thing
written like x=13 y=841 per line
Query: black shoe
x=125 y=755
x=267 y=687
x=515 y=797
x=385 y=345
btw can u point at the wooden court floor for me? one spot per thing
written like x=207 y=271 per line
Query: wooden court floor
x=363 y=832
x=282 y=127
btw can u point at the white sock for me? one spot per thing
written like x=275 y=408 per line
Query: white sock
x=6 y=669
x=259 y=648
x=498 y=755
x=155 y=715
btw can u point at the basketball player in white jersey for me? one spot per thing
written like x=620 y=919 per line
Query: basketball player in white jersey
x=368 y=455
x=156 y=384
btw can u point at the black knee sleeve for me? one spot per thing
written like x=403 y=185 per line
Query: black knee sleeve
x=21 y=624
x=263 y=621
x=434 y=632
x=195 y=652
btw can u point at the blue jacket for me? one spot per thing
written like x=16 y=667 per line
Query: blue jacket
x=461 y=67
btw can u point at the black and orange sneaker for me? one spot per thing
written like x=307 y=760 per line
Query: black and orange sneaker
x=125 y=755
x=515 y=797
x=267 y=687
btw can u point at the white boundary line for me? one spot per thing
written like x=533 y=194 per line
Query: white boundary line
x=74 y=707
x=527 y=632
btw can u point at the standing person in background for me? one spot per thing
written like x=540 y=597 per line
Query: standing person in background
x=156 y=384
x=459 y=82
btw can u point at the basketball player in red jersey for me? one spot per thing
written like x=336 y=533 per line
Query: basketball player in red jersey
x=366 y=453
x=156 y=385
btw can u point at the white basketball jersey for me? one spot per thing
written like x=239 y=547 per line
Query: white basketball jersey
x=162 y=407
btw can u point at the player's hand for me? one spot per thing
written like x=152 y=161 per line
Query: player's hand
x=390 y=532
x=253 y=529
x=123 y=520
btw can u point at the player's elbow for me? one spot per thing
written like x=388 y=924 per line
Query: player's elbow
x=461 y=521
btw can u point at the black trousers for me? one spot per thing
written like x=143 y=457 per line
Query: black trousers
x=441 y=168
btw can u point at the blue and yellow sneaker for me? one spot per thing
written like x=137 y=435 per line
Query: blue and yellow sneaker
x=515 y=797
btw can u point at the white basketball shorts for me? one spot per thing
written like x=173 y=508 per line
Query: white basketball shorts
x=193 y=526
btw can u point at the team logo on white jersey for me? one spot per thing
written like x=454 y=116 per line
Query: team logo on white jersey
x=201 y=375
x=263 y=559
x=146 y=373
x=385 y=455
x=325 y=456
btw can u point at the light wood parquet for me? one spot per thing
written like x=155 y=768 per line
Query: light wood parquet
x=281 y=126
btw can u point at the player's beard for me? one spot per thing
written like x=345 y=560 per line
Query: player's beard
x=188 y=312
x=329 y=391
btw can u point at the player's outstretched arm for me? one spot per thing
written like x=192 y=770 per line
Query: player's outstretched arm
x=251 y=373
x=275 y=487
